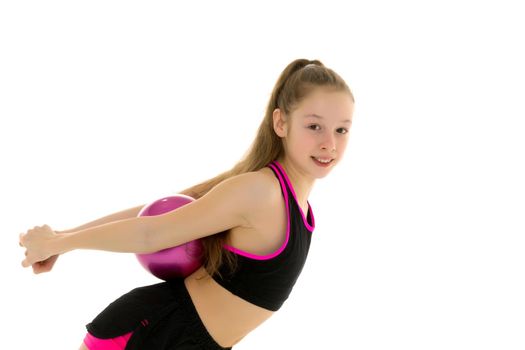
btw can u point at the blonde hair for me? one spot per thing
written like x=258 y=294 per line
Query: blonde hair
x=294 y=84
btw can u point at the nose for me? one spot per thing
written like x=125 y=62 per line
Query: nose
x=328 y=143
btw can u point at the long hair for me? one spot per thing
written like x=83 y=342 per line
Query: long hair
x=294 y=84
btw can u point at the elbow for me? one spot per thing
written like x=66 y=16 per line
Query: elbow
x=153 y=236
x=146 y=243
x=157 y=234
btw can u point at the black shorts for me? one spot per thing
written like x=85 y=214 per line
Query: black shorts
x=161 y=316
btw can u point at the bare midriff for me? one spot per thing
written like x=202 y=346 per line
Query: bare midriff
x=227 y=317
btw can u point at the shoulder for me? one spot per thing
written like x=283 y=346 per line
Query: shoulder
x=256 y=192
x=265 y=196
x=235 y=202
x=263 y=182
x=266 y=185
x=258 y=189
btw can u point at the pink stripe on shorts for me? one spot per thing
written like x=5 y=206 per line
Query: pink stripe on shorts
x=117 y=343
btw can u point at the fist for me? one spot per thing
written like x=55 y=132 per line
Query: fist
x=38 y=243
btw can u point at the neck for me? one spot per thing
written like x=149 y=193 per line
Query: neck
x=301 y=182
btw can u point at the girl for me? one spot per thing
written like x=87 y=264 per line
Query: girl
x=254 y=220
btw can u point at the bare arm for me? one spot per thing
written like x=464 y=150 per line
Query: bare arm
x=124 y=236
x=128 y=235
x=47 y=265
x=222 y=208
x=121 y=215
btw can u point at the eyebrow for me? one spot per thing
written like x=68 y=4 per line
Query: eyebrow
x=319 y=117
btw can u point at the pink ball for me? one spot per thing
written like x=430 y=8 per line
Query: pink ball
x=179 y=261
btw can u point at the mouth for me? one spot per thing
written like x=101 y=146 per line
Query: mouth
x=322 y=162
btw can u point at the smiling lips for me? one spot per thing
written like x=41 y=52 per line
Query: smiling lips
x=322 y=162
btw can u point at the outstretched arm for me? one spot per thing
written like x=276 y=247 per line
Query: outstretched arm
x=226 y=206
x=124 y=214
x=128 y=235
x=47 y=265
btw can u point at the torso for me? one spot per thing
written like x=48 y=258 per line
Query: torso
x=227 y=317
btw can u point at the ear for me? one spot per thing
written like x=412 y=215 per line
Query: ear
x=280 y=126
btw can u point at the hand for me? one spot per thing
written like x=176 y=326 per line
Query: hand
x=44 y=266
x=38 y=243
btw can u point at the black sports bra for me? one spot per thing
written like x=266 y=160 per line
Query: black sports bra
x=267 y=280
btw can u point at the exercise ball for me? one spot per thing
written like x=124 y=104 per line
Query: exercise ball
x=175 y=262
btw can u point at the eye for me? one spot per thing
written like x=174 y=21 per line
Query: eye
x=345 y=131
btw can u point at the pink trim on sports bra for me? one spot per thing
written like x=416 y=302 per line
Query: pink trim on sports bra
x=274 y=254
x=283 y=246
x=308 y=226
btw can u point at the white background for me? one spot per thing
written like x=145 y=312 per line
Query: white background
x=106 y=105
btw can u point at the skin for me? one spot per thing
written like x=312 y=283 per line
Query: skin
x=303 y=138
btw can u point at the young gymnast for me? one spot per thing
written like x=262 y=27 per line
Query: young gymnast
x=254 y=220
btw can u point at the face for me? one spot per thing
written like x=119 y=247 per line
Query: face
x=318 y=128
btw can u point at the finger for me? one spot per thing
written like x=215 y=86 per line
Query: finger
x=39 y=267
x=25 y=263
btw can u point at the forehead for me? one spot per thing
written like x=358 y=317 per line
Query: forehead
x=335 y=105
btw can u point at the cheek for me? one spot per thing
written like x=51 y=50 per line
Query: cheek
x=305 y=142
x=300 y=138
x=342 y=146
